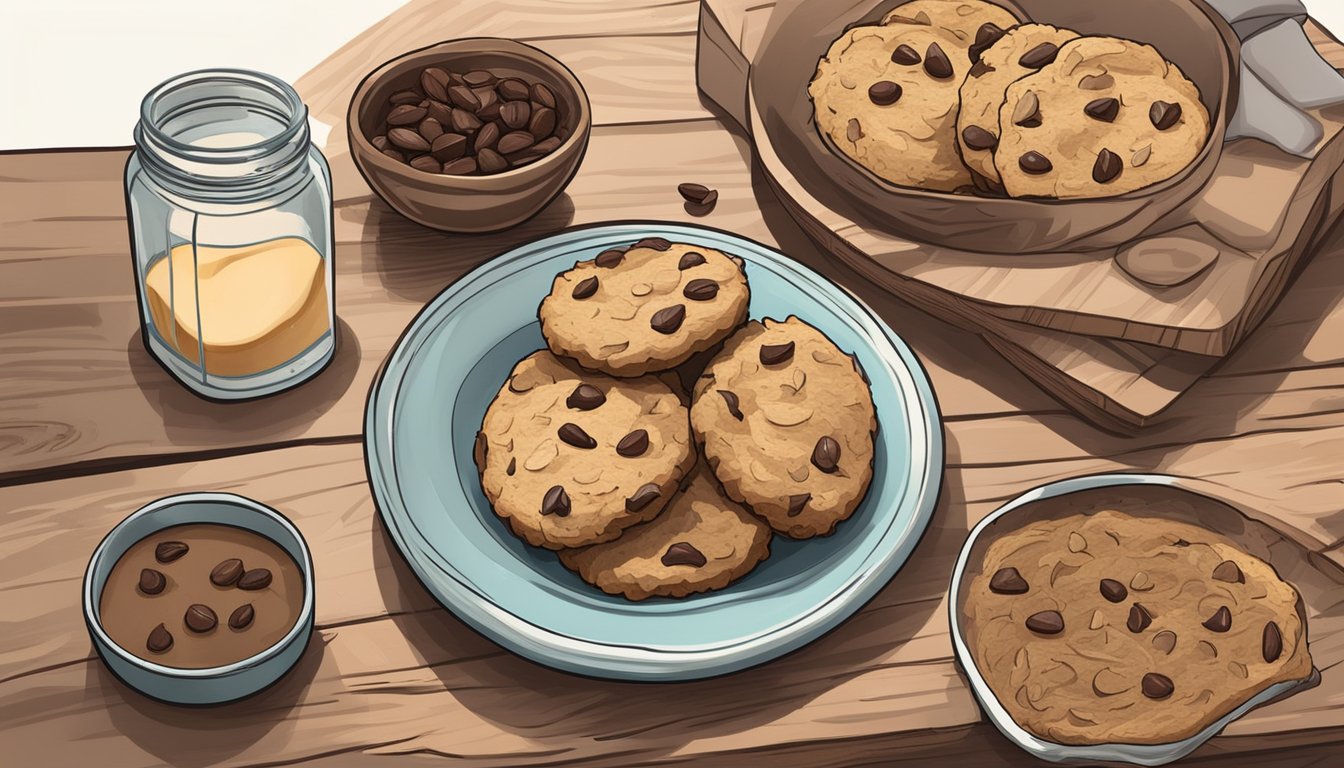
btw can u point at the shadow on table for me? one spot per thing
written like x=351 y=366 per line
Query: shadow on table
x=189 y=420
x=191 y=737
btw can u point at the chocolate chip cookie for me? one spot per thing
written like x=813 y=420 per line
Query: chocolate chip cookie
x=972 y=21
x=1116 y=628
x=570 y=457
x=702 y=541
x=649 y=307
x=1107 y=117
x=886 y=96
x=1019 y=52
x=786 y=422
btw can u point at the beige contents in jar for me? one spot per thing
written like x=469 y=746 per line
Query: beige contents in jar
x=257 y=306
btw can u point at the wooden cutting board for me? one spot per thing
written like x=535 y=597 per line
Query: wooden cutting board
x=1117 y=350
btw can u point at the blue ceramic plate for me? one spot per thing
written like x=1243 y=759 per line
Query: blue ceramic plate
x=422 y=419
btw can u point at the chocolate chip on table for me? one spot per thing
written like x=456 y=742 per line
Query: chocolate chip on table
x=826 y=454
x=199 y=618
x=905 y=55
x=168 y=551
x=1271 y=643
x=427 y=164
x=1164 y=114
x=1039 y=56
x=574 y=435
x=543 y=95
x=490 y=161
x=515 y=114
x=227 y=573
x=515 y=141
x=555 y=502
x=884 y=93
x=797 y=503
x=1046 y=622
x=513 y=89
x=1157 y=686
x=730 y=400
x=160 y=639
x=610 y=258
x=668 y=319
x=936 y=62
x=434 y=82
x=1107 y=168
x=683 y=553
x=1035 y=163
x=853 y=130
x=1113 y=590
x=1229 y=572
x=1105 y=110
x=979 y=139
x=1139 y=618
x=690 y=259
x=642 y=497
x=1220 y=621
x=1007 y=581
x=151 y=581
x=774 y=354
x=449 y=147
x=242 y=616
x=254 y=579
x=701 y=289
x=586 y=288
x=633 y=444
x=407 y=139
x=692 y=192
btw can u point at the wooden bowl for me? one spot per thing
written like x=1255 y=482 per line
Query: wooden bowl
x=468 y=203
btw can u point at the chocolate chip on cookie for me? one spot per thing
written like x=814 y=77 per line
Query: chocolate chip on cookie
x=731 y=403
x=585 y=397
x=978 y=138
x=701 y=290
x=1164 y=114
x=1271 y=643
x=1105 y=109
x=797 y=503
x=1113 y=590
x=1139 y=618
x=1035 y=163
x=1107 y=168
x=555 y=502
x=574 y=435
x=1046 y=622
x=986 y=36
x=634 y=444
x=774 y=354
x=1039 y=56
x=1007 y=581
x=884 y=93
x=826 y=454
x=610 y=258
x=1220 y=621
x=936 y=62
x=682 y=553
x=643 y=497
x=1156 y=686
x=1229 y=572
x=585 y=289
x=906 y=56
x=690 y=259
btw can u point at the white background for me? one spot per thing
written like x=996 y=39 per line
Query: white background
x=72 y=72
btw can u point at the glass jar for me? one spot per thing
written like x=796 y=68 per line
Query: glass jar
x=231 y=234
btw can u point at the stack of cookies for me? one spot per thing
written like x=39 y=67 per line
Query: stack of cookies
x=958 y=96
x=663 y=437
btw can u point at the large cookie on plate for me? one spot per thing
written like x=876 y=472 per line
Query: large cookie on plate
x=786 y=421
x=571 y=457
x=650 y=307
x=1109 y=116
x=702 y=541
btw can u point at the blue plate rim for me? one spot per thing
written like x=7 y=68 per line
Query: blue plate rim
x=625 y=662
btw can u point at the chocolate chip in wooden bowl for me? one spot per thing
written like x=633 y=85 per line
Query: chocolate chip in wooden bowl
x=478 y=78
x=701 y=289
x=427 y=164
x=169 y=551
x=406 y=114
x=513 y=89
x=200 y=619
x=1046 y=622
x=683 y=553
x=407 y=96
x=884 y=93
x=407 y=139
x=1157 y=686
x=642 y=497
x=905 y=56
x=585 y=397
x=1039 y=56
x=254 y=579
x=449 y=147
x=1105 y=110
x=431 y=129
x=826 y=454
x=586 y=288
x=242 y=617
x=462 y=166
x=633 y=444
x=1035 y=163
x=464 y=122
x=1164 y=115
x=542 y=123
x=979 y=139
x=462 y=97
x=555 y=502
x=690 y=259
x=1230 y=572
x=159 y=640
x=152 y=582
x=490 y=161
x=730 y=400
x=797 y=503
x=936 y=63
x=774 y=354
x=515 y=114
x=668 y=319
x=1271 y=643
x=543 y=95
x=1107 y=168
x=1220 y=621
x=1113 y=590
x=1008 y=581
x=227 y=573
x=515 y=141
x=573 y=434
x=435 y=82
x=486 y=138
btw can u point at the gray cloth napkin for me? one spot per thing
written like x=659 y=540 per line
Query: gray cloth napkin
x=1282 y=75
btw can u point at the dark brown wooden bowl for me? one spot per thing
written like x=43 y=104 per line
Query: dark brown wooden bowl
x=468 y=203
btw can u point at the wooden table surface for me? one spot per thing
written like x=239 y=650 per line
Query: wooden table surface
x=91 y=428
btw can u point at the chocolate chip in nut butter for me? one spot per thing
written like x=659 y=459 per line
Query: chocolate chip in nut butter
x=1157 y=686
x=1107 y=168
x=642 y=497
x=797 y=503
x=574 y=435
x=668 y=319
x=555 y=502
x=1164 y=114
x=826 y=455
x=1035 y=163
x=774 y=354
x=610 y=258
x=1220 y=621
x=586 y=288
x=1104 y=110
x=227 y=573
x=884 y=93
x=701 y=289
x=1007 y=581
x=936 y=63
x=683 y=553
x=1113 y=590
x=1039 y=56
x=254 y=579
x=151 y=581
x=690 y=259
x=199 y=618
x=1271 y=643
x=242 y=616
x=730 y=400
x=1139 y=618
x=979 y=139
x=585 y=397
x=160 y=639
x=1046 y=622
x=168 y=551
x=1229 y=572
x=633 y=444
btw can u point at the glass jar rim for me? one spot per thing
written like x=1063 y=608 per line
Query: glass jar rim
x=296 y=122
